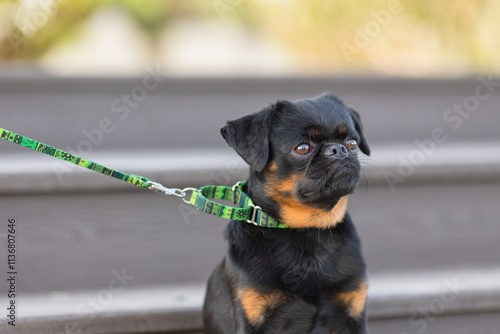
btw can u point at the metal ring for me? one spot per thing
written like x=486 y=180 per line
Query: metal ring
x=183 y=194
x=234 y=191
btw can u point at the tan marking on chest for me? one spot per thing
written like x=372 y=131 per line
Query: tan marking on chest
x=256 y=304
x=354 y=300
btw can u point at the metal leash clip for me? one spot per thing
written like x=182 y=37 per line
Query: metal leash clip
x=181 y=193
x=160 y=188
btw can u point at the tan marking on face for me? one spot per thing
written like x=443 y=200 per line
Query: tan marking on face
x=256 y=304
x=296 y=214
x=313 y=131
x=342 y=130
x=354 y=300
x=272 y=167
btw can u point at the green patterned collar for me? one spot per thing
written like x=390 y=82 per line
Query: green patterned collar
x=247 y=211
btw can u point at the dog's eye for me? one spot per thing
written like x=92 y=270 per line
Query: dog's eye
x=352 y=144
x=303 y=149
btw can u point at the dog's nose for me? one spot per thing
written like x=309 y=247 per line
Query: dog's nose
x=336 y=151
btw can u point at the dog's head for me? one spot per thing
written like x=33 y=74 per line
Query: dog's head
x=303 y=157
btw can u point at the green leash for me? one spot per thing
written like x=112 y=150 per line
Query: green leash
x=199 y=198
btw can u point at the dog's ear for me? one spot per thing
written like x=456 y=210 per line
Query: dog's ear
x=363 y=145
x=249 y=137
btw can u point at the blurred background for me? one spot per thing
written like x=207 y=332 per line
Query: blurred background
x=253 y=37
x=144 y=87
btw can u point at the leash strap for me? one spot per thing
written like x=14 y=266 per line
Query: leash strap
x=34 y=145
x=247 y=212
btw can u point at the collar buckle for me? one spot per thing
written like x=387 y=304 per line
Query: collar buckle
x=254 y=214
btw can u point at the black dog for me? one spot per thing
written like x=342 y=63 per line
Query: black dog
x=311 y=277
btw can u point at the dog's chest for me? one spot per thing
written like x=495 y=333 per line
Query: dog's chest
x=300 y=262
x=310 y=270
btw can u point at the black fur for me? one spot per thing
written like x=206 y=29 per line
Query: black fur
x=302 y=272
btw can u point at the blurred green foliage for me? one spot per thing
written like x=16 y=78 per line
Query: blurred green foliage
x=355 y=35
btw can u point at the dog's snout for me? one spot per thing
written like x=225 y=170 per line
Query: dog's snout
x=336 y=151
